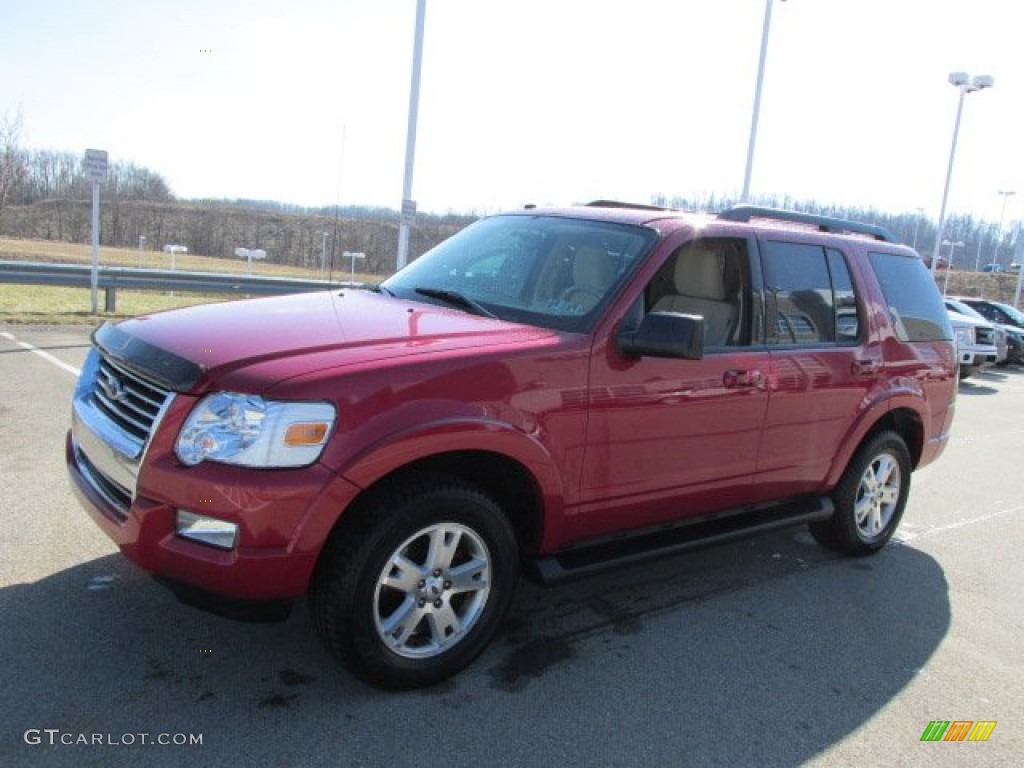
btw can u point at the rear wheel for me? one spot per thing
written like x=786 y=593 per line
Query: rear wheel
x=869 y=499
x=415 y=589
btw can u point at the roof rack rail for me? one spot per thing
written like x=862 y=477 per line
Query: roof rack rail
x=631 y=206
x=823 y=223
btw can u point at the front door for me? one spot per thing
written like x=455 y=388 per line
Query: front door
x=672 y=438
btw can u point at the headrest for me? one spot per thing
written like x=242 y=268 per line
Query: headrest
x=699 y=273
x=592 y=268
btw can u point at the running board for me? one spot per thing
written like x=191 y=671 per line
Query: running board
x=608 y=553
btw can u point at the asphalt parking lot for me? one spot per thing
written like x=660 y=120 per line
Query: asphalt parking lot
x=767 y=652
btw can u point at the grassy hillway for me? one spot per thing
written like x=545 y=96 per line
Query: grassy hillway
x=45 y=305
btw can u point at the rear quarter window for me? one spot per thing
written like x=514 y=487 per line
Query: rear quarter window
x=915 y=304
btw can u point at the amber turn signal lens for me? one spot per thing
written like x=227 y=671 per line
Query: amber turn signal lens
x=306 y=434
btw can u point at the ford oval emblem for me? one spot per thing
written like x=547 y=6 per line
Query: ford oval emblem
x=113 y=389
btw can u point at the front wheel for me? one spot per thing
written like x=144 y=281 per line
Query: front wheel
x=415 y=589
x=869 y=499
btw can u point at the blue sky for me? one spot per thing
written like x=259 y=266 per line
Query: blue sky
x=542 y=101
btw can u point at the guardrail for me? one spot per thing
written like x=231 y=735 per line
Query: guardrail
x=111 y=279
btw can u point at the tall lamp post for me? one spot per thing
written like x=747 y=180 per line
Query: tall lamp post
x=408 y=204
x=745 y=196
x=323 y=253
x=1006 y=193
x=917 y=225
x=949 y=264
x=966 y=84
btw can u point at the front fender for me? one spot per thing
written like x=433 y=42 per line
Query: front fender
x=404 y=448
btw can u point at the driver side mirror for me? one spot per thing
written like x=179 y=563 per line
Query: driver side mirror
x=664 y=334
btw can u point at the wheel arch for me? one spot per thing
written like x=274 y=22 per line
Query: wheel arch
x=905 y=421
x=506 y=480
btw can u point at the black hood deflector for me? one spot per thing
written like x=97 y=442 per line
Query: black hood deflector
x=163 y=367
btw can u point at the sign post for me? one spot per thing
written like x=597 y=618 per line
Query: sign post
x=353 y=255
x=95 y=166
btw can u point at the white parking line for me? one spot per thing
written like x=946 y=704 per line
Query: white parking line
x=43 y=354
x=911 y=535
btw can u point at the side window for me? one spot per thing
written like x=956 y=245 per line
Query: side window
x=809 y=294
x=915 y=304
x=801 y=306
x=709 y=277
x=847 y=321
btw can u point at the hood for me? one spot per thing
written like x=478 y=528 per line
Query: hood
x=957 y=319
x=183 y=347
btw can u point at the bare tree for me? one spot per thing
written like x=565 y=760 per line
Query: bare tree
x=12 y=162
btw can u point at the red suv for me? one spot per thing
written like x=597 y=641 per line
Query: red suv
x=548 y=392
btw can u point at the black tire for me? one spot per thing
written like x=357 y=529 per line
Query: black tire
x=412 y=590
x=869 y=499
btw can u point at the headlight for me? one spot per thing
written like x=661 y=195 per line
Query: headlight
x=964 y=336
x=247 y=430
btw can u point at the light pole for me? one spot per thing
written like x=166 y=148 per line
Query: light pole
x=1018 y=256
x=1006 y=193
x=949 y=264
x=917 y=225
x=745 y=195
x=966 y=84
x=981 y=240
x=408 y=204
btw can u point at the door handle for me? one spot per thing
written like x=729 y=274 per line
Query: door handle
x=735 y=379
x=865 y=367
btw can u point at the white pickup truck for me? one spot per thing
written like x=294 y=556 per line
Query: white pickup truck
x=975 y=342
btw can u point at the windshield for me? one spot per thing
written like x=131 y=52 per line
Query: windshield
x=548 y=271
x=1016 y=314
x=964 y=309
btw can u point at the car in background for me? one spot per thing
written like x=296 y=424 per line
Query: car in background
x=999 y=336
x=995 y=268
x=975 y=342
x=1009 y=318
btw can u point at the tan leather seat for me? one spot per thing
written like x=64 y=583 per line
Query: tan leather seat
x=700 y=289
x=593 y=272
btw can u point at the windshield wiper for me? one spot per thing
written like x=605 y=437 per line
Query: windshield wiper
x=456 y=299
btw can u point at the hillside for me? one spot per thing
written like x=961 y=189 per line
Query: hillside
x=216 y=229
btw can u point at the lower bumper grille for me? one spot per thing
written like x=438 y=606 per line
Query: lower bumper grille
x=119 y=499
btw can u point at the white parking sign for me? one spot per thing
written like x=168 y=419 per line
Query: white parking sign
x=95 y=164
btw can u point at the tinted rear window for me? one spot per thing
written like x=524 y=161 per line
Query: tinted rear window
x=915 y=304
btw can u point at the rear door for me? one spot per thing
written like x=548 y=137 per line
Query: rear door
x=823 y=364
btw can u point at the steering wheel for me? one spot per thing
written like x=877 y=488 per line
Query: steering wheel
x=572 y=290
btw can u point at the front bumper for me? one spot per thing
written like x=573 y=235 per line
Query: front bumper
x=976 y=359
x=283 y=523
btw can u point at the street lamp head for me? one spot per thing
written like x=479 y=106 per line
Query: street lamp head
x=970 y=84
x=982 y=81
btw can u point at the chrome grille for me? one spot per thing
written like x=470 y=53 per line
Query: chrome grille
x=984 y=335
x=127 y=399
